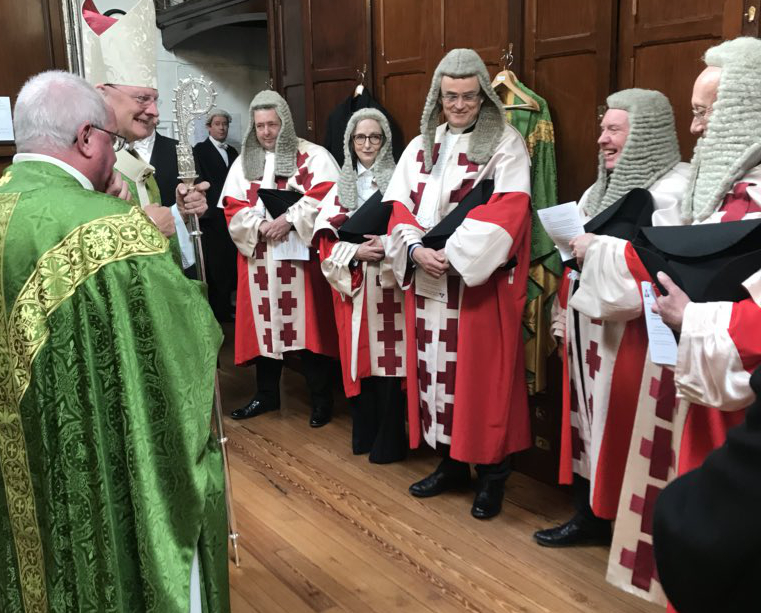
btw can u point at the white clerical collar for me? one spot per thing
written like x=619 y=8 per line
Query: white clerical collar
x=39 y=157
x=362 y=170
x=452 y=130
x=144 y=147
x=217 y=144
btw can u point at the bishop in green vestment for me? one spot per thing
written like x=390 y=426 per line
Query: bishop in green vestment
x=111 y=480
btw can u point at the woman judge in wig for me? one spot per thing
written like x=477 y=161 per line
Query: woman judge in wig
x=350 y=233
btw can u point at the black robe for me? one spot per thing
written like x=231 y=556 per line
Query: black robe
x=164 y=160
x=219 y=250
x=706 y=526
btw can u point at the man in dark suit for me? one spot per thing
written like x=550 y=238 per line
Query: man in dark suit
x=213 y=159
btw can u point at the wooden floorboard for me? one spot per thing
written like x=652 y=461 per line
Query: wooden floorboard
x=324 y=531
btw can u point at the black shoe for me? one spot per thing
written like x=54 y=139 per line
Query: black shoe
x=576 y=531
x=320 y=416
x=252 y=409
x=488 y=500
x=441 y=480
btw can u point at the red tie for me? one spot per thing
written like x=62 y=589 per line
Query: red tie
x=738 y=203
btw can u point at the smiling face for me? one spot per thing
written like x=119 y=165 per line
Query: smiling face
x=461 y=100
x=267 y=124
x=135 y=109
x=614 y=130
x=367 y=151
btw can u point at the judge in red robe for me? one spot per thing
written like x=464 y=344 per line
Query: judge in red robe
x=368 y=304
x=283 y=302
x=466 y=390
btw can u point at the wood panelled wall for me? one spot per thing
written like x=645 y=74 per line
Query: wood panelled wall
x=32 y=40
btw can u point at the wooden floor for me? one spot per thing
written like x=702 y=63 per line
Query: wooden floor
x=325 y=531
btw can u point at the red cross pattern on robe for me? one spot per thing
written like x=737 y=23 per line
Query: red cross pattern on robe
x=447 y=377
x=282 y=182
x=658 y=451
x=252 y=194
x=424 y=337
x=642 y=565
x=424 y=377
x=448 y=335
x=738 y=203
x=593 y=359
x=303 y=176
x=286 y=272
x=389 y=335
x=389 y=361
x=462 y=160
x=434 y=158
x=260 y=250
x=445 y=418
x=288 y=334
x=264 y=309
x=260 y=278
x=458 y=194
x=425 y=416
x=664 y=392
x=286 y=303
x=338 y=220
x=267 y=339
x=416 y=197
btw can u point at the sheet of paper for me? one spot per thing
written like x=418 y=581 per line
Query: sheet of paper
x=293 y=248
x=562 y=223
x=6 y=123
x=430 y=287
x=663 y=346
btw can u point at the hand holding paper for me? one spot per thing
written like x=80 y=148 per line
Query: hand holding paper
x=562 y=223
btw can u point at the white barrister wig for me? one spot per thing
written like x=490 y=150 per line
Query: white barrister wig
x=384 y=164
x=651 y=149
x=125 y=54
x=287 y=143
x=490 y=125
x=731 y=143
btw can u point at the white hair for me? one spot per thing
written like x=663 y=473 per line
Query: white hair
x=218 y=113
x=51 y=107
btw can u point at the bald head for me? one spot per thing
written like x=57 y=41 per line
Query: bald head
x=704 y=94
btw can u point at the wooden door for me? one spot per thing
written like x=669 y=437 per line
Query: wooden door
x=337 y=46
x=478 y=24
x=285 y=31
x=568 y=61
x=32 y=41
x=406 y=35
x=661 y=46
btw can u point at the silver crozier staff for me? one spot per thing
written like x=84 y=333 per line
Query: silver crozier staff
x=194 y=97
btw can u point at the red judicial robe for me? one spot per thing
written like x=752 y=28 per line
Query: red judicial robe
x=465 y=365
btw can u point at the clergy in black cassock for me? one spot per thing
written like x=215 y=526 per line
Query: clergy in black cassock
x=213 y=158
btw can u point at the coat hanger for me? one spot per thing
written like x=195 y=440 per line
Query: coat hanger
x=507 y=79
x=361 y=78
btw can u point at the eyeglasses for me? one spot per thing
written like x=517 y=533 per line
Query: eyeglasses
x=467 y=97
x=117 y=140
x=702 y=114
x=143 y=100
x=375 y=139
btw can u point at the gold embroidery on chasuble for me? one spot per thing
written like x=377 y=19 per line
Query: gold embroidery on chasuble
x=543 y=133
x=5 y=178
x=56 y=276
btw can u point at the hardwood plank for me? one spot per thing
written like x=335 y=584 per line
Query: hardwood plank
x=324 y=531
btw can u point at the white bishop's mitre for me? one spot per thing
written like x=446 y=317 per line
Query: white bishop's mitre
x=125 y=53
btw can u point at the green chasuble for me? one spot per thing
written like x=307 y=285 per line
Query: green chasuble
x=110 y=477
x=546 y=267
